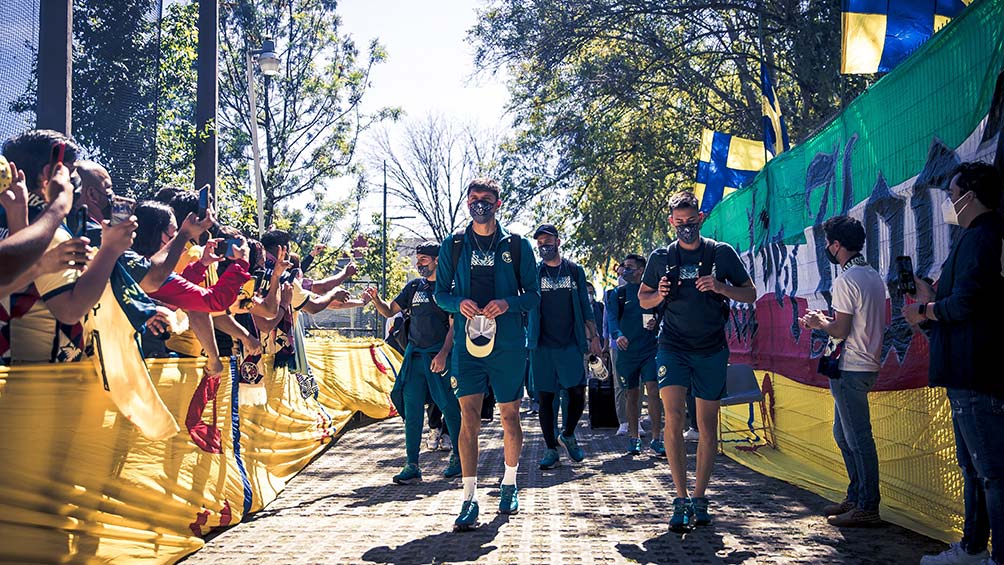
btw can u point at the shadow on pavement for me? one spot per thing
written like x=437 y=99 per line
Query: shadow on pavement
x=373 y=495
x=444 y=547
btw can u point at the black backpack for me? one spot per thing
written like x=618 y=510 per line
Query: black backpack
x=515 y=250
x=400 y=330
x=704 y=268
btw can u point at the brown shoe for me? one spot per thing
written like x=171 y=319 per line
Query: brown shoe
x=856 y=518
x=838 y=508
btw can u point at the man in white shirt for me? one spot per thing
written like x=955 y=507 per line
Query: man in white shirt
x=859 y=320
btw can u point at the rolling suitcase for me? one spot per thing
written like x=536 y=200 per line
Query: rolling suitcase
x=602 y=411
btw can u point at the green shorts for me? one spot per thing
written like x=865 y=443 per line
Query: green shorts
x=503 y=370
x=702 y=373
x=553 y=369
x=634 y=369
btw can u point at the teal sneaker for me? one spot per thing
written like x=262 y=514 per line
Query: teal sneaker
x=634 y=446
x=572 y=446
x=658 y=447
x=468 y=518
x=550 y=459
x=453 y=469
x=682 y=515
x=700 y=511
x=409 y=475
x=508 y=500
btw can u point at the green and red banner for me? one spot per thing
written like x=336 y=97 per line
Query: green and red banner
x=884 y=160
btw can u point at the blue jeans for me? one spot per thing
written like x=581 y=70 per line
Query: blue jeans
x=978 y=419
x=852 y=430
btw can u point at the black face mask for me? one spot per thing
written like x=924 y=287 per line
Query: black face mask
x=631 y=275
x=482 y=211
x=425 y=271
x=547 y=252
x=688 y=233
x=832 y=257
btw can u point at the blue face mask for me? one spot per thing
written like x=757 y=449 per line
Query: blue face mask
x=688 y=233
x=482 y=211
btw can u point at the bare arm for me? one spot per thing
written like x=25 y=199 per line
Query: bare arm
x=162 y=263
x=20 y=251
x=649 y=297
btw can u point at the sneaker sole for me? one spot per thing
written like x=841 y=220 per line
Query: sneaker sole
x=464 y=527
x=509 y=512
x=407 y=481
x=548 y=467
x=681 y=529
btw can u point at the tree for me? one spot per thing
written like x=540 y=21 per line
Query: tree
x=309 y=112
x=399 y=268
x=609 y=97
x=115 y=63
x=429 y=168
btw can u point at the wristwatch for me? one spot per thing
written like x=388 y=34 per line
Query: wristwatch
x=923 y=309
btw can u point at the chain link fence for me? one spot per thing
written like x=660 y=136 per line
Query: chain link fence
x=115 y=82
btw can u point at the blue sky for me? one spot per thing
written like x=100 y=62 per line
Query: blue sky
x=429 y=69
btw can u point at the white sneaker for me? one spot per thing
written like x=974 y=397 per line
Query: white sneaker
x=444 y=443
x=642 y=432
x=691 y=435
x=432 y=442
x=955 y=554
x=622 y=430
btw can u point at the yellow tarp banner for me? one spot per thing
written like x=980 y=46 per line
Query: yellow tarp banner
x=80 y=483
x=921 y=484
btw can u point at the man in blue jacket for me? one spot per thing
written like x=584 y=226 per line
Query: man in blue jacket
x=633 y=332
x=964 y=317
x=561 y=330
x=487 y=280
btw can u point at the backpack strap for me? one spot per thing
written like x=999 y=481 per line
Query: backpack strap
x=621 y=301
x=673 y=260
x=516 y=252
x=707 y=257
x=458 y=245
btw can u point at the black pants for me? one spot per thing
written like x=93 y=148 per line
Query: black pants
x=576 y=405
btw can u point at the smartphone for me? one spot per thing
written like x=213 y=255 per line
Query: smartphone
x=58 y=152
x=228 y=245
x=259 y=279
x=121 y=209
x=203 y=202
x=905 y=283
x=80 y=222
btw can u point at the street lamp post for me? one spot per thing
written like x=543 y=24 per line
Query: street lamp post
x=269 y=64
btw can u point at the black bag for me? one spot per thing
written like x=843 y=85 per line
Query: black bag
x=602 y=407
x=829 y=361
x=398 y=335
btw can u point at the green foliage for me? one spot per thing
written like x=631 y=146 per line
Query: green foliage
x=399 y=268
x=309 y=113
x=115 y=53
x=609 y=98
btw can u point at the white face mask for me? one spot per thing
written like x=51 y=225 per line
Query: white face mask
x=948 y=210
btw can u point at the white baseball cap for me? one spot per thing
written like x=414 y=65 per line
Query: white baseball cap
x=480 y=336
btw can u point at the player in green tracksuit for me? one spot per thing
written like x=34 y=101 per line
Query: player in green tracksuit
x=425 y=370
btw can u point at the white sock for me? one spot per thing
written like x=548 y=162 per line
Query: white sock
x=509 y=478
x=470 y=487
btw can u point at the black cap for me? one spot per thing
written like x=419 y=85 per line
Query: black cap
x=546 y=229
x=428 y=248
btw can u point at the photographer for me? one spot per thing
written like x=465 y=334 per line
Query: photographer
x=858 y=321
x=964 y=317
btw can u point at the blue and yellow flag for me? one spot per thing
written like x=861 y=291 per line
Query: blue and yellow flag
x=774 y=128
x=878 y=34
x=725 y=164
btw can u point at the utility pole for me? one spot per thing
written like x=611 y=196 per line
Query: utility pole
x=207 y=96
x=383 y=280
x=55 y=65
